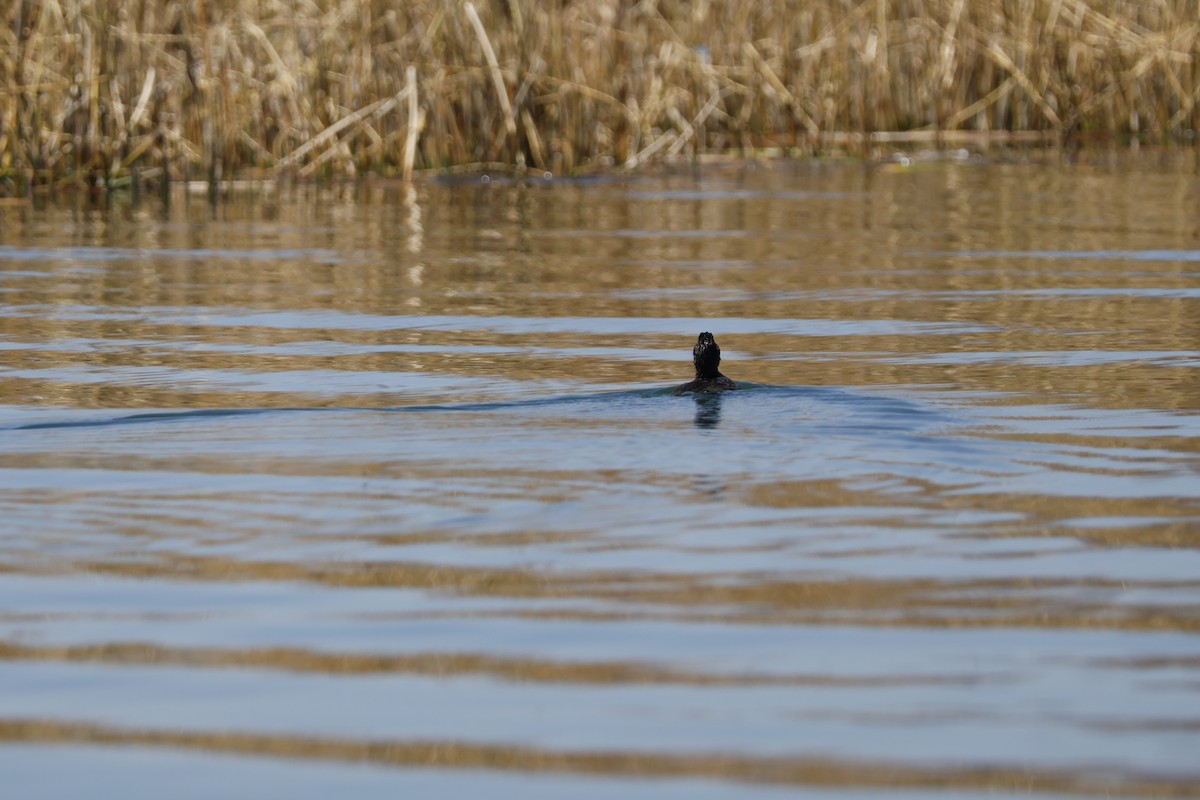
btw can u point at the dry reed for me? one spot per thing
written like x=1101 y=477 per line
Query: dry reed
x=108 y=90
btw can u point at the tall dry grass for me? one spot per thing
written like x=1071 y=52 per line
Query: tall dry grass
x=102 y=89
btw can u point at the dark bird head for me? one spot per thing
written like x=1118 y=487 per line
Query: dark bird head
x=706 y=355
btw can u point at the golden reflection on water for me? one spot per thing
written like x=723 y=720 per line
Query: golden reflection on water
x=798 y=772
x=1053 y=310
x=732 y=598
x=863 y=245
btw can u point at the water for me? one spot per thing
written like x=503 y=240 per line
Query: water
x=368 y=490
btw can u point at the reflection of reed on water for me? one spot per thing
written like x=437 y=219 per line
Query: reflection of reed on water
x=346 y=258
x=271 y=478
x=789 y=771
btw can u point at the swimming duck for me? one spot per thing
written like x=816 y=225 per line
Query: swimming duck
x=706 y=355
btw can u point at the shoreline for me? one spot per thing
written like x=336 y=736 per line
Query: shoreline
x=925 y=153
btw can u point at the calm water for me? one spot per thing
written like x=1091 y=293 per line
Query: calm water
x=366 y=491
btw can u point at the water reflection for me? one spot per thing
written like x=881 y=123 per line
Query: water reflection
x=410 y=447
x=708 y=409
x=416 y=229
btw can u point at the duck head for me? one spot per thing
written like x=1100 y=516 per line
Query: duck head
x=706 y=355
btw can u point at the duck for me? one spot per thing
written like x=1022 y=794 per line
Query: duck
x=706 y=355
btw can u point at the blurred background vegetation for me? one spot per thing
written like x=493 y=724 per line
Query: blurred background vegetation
x=103 y=90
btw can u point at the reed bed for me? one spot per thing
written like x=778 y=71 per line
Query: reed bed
x=107 y=91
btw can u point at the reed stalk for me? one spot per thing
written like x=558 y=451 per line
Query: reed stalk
x=92 y=91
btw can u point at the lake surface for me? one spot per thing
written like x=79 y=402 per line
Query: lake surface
x=364 y=491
